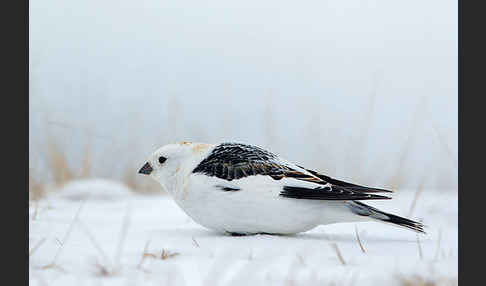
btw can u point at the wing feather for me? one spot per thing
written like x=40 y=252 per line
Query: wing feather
x=347 y=185
x=327 y=193
x=232 y=161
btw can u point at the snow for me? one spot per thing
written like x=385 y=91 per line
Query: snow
x=95 y=189
x=103 y=243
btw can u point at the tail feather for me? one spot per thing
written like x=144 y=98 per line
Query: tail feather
x=365 y=210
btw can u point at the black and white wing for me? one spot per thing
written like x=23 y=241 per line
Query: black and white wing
x=233 y=161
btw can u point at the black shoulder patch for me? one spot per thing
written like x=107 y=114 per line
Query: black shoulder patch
x=230 y=161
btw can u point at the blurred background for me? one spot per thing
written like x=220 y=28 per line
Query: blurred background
x=360 y=90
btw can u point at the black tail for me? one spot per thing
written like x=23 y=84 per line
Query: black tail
x=365 y=210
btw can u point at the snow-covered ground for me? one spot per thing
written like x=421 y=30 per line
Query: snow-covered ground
x=148 y=240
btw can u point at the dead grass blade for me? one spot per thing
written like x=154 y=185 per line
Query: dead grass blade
x=59 y=242
x=338 y=253
x=85 y=171
x=250 y=254
x=36 y=246
x=102 y=270
x=36 y=189
x=367 y=122
x=444 y=144
x=107 y=268
x=36 y=209
x=129 y=178
x=358 y=239
x=58 y=163
x=166 y=254
x=123 y=235
x=66 y=236
x=195 y=242
x=398 y=178
x=269 y=120
x=145 y=255
x=53 y=266
x=93 y=240
x=438 y=246
x=419 y=247
x=415 y=198
x=301 y=259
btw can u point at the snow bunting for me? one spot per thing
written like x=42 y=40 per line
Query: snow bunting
x=242 y=189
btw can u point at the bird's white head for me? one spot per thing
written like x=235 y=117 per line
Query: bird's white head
x=172 y=163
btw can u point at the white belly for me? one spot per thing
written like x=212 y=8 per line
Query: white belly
x=256 y=207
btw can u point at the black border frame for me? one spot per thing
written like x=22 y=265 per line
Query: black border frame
x=15 y=115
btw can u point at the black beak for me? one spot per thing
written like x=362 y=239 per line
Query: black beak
x=146 y=169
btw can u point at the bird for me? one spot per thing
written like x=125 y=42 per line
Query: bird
x=241 y=189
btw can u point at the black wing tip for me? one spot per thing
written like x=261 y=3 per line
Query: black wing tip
x=327 y=194
x=350 y=186
x=366 y=190
x=366 y=210
x=405 y=222
x=416 y=226
x=384 y=191
x=378 y=197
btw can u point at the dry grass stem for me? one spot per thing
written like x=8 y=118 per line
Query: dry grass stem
x=58 y=164
x=415 y=198
x=103 y=271
x=86 y=163
x=269 y=120
x=338 y=253
x=250 y=255
x=66 y=235
x=36 y=246
x=195 y=242
x=94 y=241
x=419 y=247
x=36 y=209
x=301 y=259
x=59 y=242
x=123 y=235
x=53 y=266
x=444 y=144
x=358 y=239
x=438 y=246
x=167 y=254
x=365 y=130
x=398 y=178
x=145 y=255
x=36 y=189
x=129 y=178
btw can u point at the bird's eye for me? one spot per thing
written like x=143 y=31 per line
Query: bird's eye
x=162 y=159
